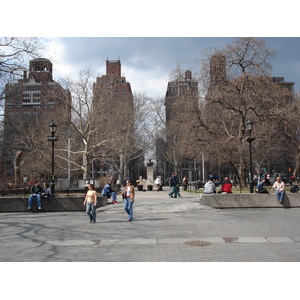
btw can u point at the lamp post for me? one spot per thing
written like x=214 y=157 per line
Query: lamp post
x=249 y=139
x=53 y=139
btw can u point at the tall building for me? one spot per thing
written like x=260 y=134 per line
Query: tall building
x=112 y=88
x=113 y=99
x=31 y=103
x=181 y=95
x=38 y=94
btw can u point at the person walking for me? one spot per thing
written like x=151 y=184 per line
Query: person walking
x=278 y=186
x=129 y=195
x=174 y=185
x=158 y=183
x=91 y=201
x=185 y=182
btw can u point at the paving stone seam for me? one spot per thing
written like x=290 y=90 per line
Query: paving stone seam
x=164 y=241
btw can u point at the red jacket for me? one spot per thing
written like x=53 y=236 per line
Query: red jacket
x=226 y=187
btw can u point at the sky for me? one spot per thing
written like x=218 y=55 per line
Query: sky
x=151 y=39
x=147 y=62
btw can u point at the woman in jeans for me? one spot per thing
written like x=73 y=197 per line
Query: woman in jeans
x=129 y=199
x=91 y=201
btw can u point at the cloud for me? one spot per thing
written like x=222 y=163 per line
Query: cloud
x=148 y=61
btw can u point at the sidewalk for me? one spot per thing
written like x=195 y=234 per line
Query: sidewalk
x=163 y=230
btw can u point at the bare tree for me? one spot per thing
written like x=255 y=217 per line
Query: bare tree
x=14 y=55
x=240 y=88
x=85 y=120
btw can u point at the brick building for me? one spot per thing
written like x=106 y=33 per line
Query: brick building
x=113 y=99
x=180 y=97
x=36 y=95
x=31 y=103
x=112 y=86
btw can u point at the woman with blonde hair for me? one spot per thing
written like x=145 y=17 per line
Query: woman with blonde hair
x=129 y=194
x=91 y=201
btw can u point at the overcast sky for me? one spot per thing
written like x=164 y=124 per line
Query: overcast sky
x=151 y=38
x=148 y=61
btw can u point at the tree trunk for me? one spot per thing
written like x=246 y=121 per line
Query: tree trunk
x=17 y=167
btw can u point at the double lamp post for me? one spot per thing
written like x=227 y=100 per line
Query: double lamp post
x=53 y=139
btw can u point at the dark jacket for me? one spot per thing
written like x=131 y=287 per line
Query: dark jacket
x=174 y=181
x=36 y=189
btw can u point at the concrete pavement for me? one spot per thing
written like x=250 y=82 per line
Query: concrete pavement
x=163 y=230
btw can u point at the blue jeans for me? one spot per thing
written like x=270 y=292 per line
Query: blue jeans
x=174 y=191
x=128 y=207
x=280 y=196
x=91 y=211
x=38 y=200
x=114 y=196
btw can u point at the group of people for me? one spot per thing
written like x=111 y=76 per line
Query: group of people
x=90 y=200
x=278 y=187
x=226 y=188
x=210 y=187
x=38 y=193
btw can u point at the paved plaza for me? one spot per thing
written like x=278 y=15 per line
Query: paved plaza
x=163 y=230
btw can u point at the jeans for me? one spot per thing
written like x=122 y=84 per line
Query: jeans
x=280 y=195
x=38 y=200
x=91 y=211
x=114 y=196
x=174 y=191
x=128 y=207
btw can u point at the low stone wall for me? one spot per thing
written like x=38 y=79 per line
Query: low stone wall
x=56 y=204
x=249 y=200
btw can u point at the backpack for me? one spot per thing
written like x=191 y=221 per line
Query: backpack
x=294 y=189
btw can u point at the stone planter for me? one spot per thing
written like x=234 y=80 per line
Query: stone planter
x=140 y=187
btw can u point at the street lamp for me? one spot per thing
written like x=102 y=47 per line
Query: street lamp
x=53 y=139
x=249 y=139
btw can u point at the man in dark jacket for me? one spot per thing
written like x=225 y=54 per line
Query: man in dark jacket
x=174 y=185
x=35 y=192
x=260 y=187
